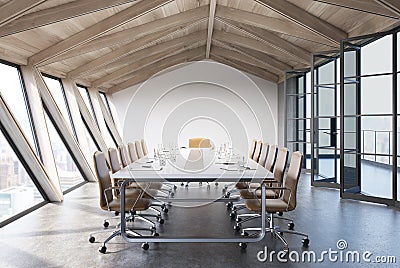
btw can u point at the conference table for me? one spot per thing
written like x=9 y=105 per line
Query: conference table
x=194 y=165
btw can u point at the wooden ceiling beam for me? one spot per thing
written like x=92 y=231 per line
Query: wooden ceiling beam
x=129 y=49
x=282 y=26
x=305 y=19
x=253 y=44
x=56 y=14
x=246 y=68
x=231 y=54
x=14 y=9
x=363 y=6
x=102 y=27
x=391 y=5
x=161 y=26
x=149 y=71
x=211 y=17
x=271 y=39
x=143 y=58
x=265 y=59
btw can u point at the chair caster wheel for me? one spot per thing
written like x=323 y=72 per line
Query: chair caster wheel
x=229 y=204
x=156 y=234
x=153 y=228
x=103 y=249
x=238 y=219
x=291 y=225
x=232 y=215
x=106 y=224
x=172 y=194
x=187 y=185
x=236 y=228
x=92 y=239
x=243 y=245
x=216 y=184
x=227 y=195
x=245 y=234
x=116 y=213
x=182 y=184
x=145 y=246
x=165 y=210
x=161 y=221
x=280 y=213
x=175 y=187
x=306 y=242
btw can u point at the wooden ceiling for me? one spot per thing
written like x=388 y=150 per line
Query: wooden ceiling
x=113 y=44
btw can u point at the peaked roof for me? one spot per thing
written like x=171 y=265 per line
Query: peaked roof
x=114 y=44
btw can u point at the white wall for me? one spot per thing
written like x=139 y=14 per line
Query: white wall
x=200 y=99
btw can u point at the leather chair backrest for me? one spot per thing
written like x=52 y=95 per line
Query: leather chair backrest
x=114 y=161
x=257 y=151
x=252 y=148
x=139 y=149
x=280 y=164
x=269 y=164
x=144 y=147
x=292 y=179
x=103 y=178
x=132 y=152
x=123 y=155
x=199 y=143
x=263 y=154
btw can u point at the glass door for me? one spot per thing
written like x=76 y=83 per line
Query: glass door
x=298 y=113
x=325 y=127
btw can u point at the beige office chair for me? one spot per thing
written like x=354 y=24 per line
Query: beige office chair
x=136 y=153
x=279 y=171
x=257 y=151
x=123 y=155
x=287 y=202
x=252 y=153
x=151 y=190
x=139 y=150
x=263 y=154
x=108 y=202
x=252 y=148
x=132 y=152
x=254 y=190
x=144 y=147
x=272 y=152
x=199 y=143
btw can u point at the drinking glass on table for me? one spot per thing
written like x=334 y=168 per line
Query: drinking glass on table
x=162 y=159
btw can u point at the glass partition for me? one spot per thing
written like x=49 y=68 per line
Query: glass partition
x=298 y=113
x=370 y=127
x=325 y=147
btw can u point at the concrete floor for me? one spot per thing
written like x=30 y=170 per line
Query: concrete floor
x=56 y=235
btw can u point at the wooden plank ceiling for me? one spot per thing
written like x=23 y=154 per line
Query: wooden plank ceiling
x=114 y=44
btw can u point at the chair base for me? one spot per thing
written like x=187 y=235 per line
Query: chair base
x=278 y=232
